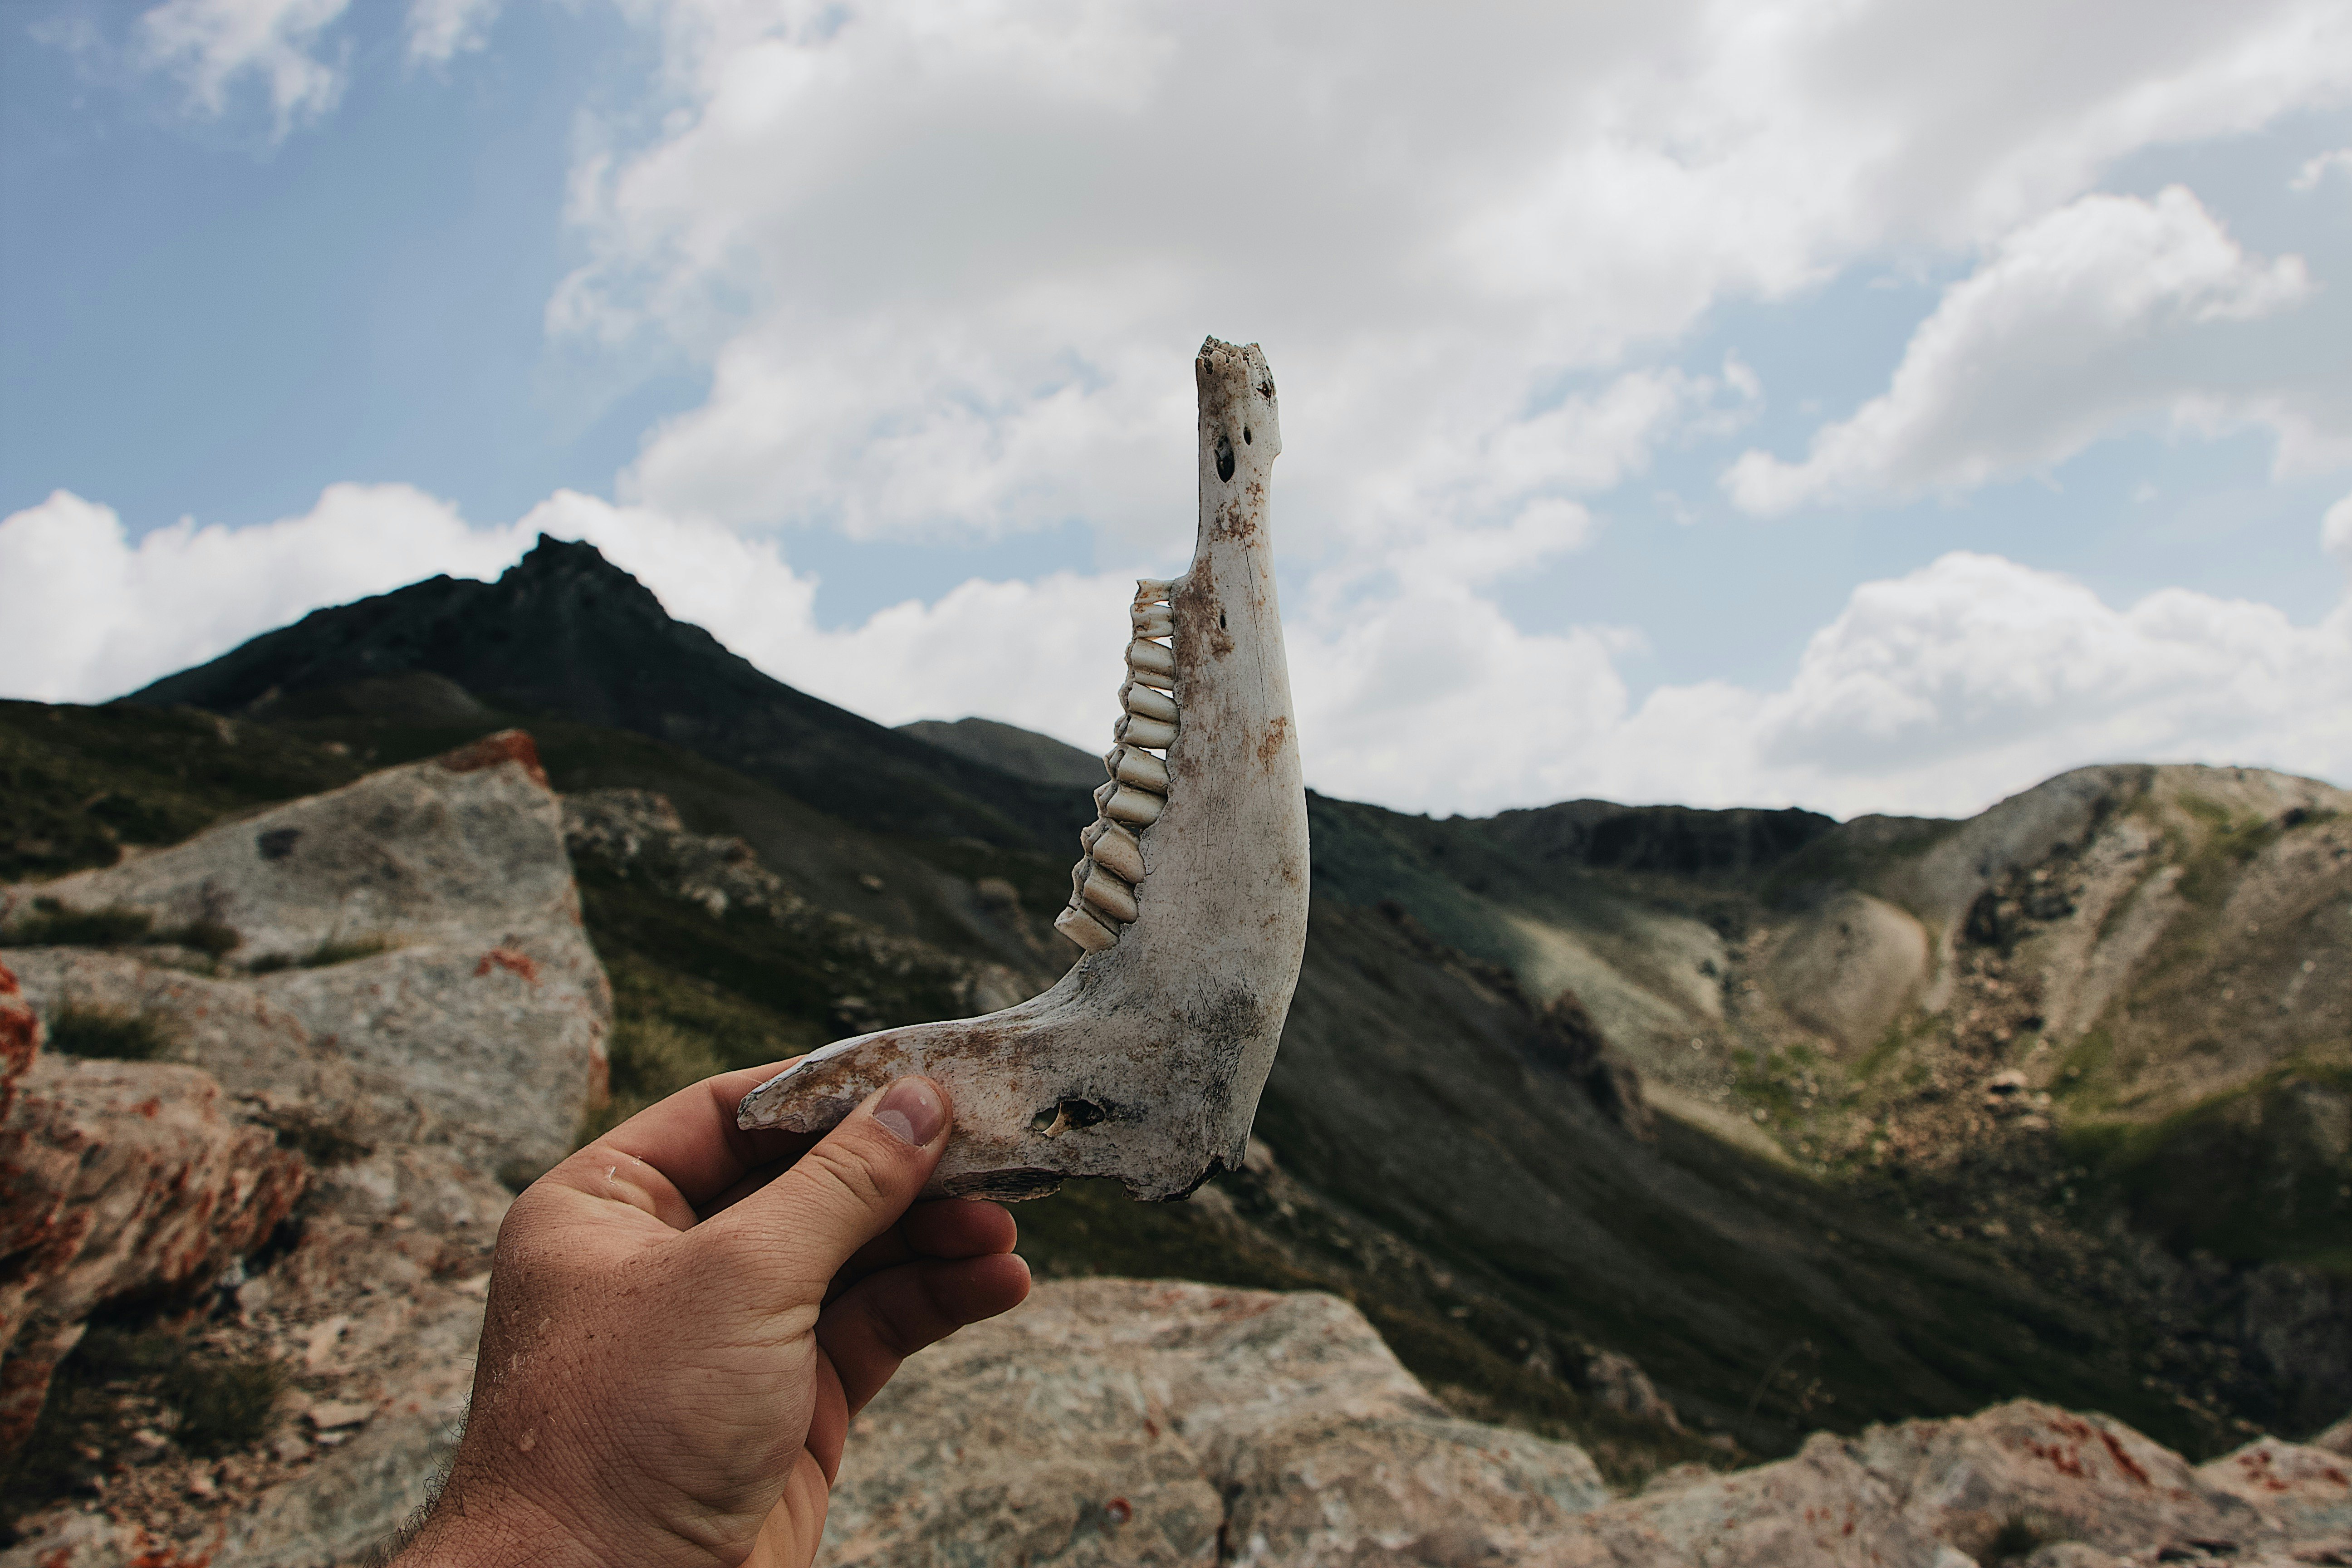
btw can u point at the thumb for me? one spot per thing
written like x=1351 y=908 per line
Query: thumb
x=802 y=1228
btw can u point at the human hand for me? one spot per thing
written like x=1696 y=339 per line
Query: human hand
x=683 y=1316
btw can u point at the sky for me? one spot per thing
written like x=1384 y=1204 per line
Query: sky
x=1856 y=406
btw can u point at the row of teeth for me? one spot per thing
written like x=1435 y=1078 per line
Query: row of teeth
x=1103 y=882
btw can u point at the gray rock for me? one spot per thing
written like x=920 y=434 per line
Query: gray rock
x=481 y=1022
x=1127 y=1421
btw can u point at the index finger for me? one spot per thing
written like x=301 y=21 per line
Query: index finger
x=691 y=1139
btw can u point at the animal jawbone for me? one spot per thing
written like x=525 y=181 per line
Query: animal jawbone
x=1145 y=1061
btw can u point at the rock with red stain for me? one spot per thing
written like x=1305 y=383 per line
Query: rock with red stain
x=411 y=965
x=1118 y=1421
x=2082 y=1478
x=20 y=1037
x=2305 y=1490
x=119 y=1179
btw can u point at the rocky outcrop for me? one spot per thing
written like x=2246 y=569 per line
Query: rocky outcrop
x=410 y=1010
x=409 y=964
x=1127 y=1421
x=117 y=1179
x=1133 y=1422
x=637 y=834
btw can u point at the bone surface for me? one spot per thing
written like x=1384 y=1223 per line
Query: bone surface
x=1145 y=1060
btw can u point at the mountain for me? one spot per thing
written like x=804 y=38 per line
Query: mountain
x=1816 y=1122
x=1021 y=752
x=564 y=633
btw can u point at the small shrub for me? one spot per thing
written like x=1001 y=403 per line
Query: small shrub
x=318 y=1139
x=332 y=951
x=2020 y=1537
x=224 y=1405
x=107 y=1034
x=207 y=936
x=51 y=924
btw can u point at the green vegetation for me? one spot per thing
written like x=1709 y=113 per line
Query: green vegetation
x=129 y=1376
x=78 y=783
x=107 y=1034
x=2209 y=871
x=52 y=925
x=224 y=1405
x=333 y=951
x=2271 y=1184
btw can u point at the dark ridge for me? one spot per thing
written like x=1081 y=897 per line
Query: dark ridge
x=565 y=634
x=1680 y=841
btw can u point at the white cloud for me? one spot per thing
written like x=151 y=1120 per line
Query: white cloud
x=108 y=615
x=940 y=257
x=2316 y=169
x=2335 y=531
x=440 y=30
x=2104 y=313
x=1974 y=675
x=210 y=44
x=1938 y=691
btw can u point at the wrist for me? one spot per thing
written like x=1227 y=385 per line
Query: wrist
x=464 y=1530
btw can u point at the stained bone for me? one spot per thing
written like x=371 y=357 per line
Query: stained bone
x=1139 y=807
x=1147 y=703
x=1153 y=621
x=1114 y=848
x=1145 y=1061
x=1154 y=663
x=1137 y=731
x=1083 y=929
x=1109 y=894
x=1141 y=769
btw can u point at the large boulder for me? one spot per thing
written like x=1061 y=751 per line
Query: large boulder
x=1127 y=1421
x=410 y=965
x=412 y=1002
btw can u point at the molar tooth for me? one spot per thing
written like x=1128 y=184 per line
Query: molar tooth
x=1081 y=927
x=1140 y=731
x=1103 y=793
x=1137 y=807
x=1109 y=894
x=1153 y=663
x=1141 y=769
x=1153 y=621
x=1115 y=849
x=1149 y=592
x=1150 y=704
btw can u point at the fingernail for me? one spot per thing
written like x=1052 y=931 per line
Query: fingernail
x=913 y=1111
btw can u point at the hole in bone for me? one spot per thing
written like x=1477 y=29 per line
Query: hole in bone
x=1224 y=458
x=1221 y=620
x=1064 y=1114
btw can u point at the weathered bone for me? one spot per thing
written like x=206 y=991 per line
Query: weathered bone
x=1140 y=807
x=1154 y=663
x=1145 y=1061
x=1141 y=769
x=1085 y=930
x=1144 y=702
x=1135 y=731
x=1114 y=848
x=1153 y=621
x=1109 y=894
